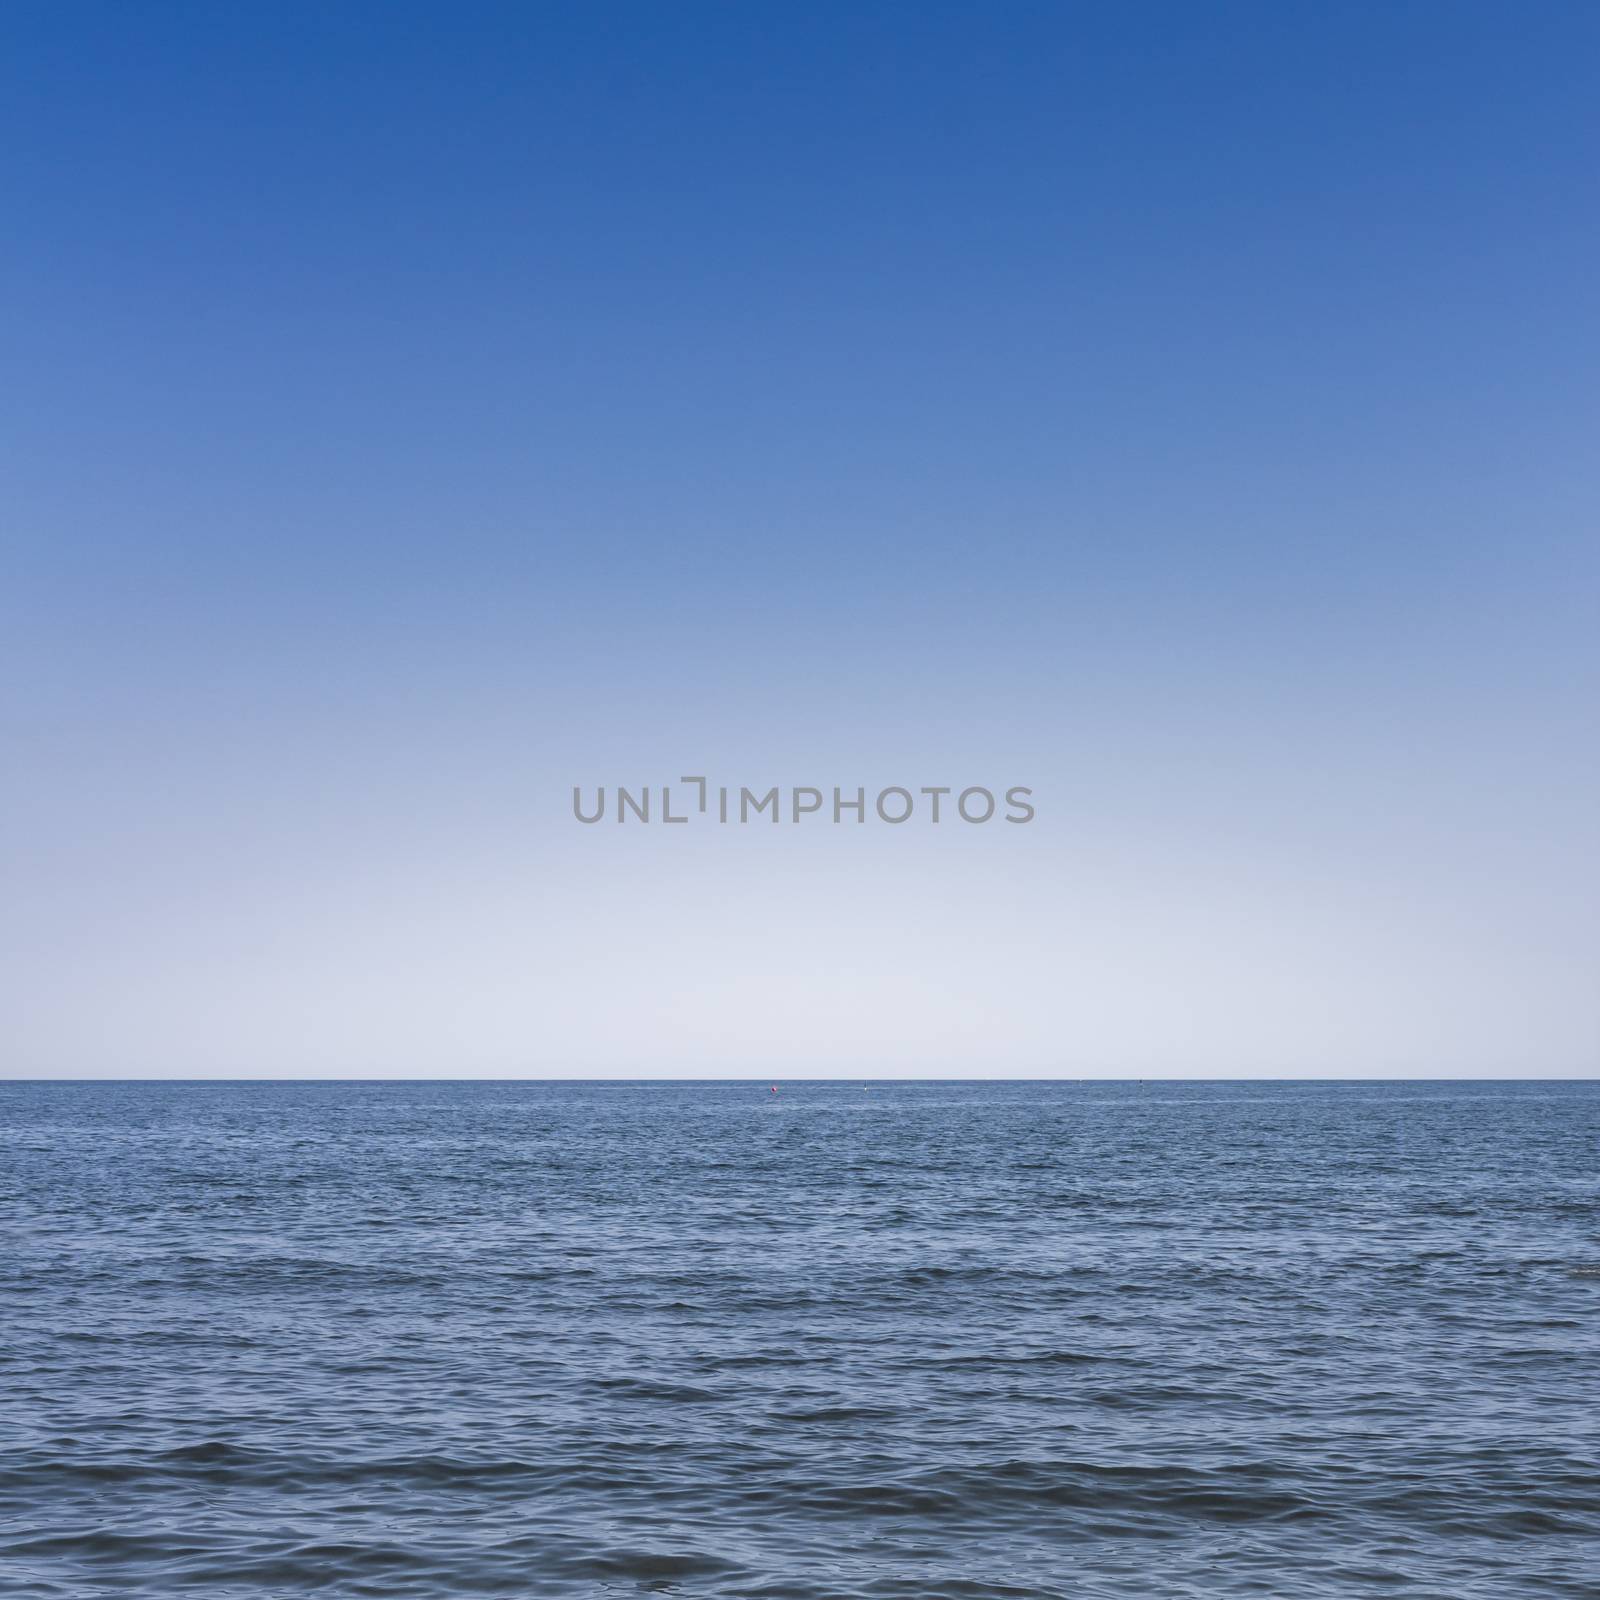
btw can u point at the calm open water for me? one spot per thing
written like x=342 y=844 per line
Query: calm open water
x=912 y=1340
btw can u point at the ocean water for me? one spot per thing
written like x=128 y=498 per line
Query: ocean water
x=884 y=1340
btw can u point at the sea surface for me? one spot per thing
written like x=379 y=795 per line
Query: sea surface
x=842 y=1342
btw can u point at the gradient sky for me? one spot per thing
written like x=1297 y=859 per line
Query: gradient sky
x=1186 y=410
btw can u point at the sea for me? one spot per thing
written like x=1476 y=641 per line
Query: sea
x=841 y=1341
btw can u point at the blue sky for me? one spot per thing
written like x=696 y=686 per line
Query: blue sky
x=415 y=410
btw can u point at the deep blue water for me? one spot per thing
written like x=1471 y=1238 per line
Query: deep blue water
x=907 y=1340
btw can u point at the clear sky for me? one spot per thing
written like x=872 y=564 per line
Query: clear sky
x=412 y=411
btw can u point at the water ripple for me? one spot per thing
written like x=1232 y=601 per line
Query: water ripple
x=946 y=1342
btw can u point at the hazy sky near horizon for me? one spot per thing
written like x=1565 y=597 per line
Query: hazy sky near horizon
x=1187 y=411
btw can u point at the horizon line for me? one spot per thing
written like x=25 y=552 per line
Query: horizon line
x=609 y=1078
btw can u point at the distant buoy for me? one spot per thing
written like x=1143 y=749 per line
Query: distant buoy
x=774 y=1088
